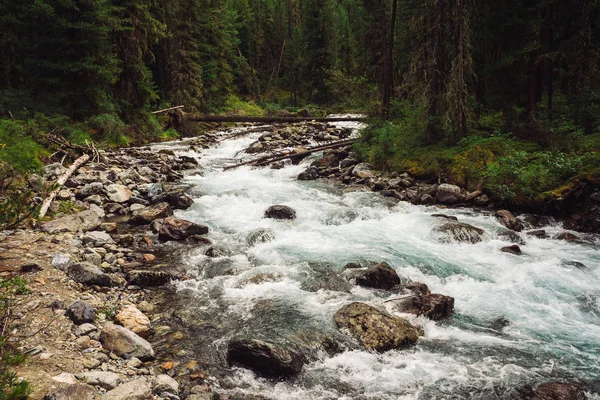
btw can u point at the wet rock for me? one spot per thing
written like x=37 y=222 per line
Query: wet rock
x=575 y=264
x=134 y=320
x=88 y=274
x=433 y=306
x=118 y=193
x=97 y=238
x=80 y=313
x=508 y=220
x=568 y=237
x=458 y=232
x=449 y=194
x=260 y=235
x=148 y=278
x=511 y=236
x=179 y=201
x=139 y=389
x=71 y=392
x=310 y=174
x=323 y=277
x=148 y=214
x=559 y=391
x=265 y=359
x=417 y=288
x=83 y=221
x=481 y=201
x=165 y=384
x=444 y=216
x=172 y=228
x=106 y=380
x=362 y=169
x=280 y=212
x=216 y=251
x=379 y=276
x=125 y=343
x=376 y=330
x=514 y=249
x=538 y=233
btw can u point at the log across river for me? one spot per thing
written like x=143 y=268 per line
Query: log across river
x=518 y=320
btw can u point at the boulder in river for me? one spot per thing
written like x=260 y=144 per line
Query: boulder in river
x=83 y=221
x=124 y=342
x=432 y=306
x=558 y=391
x=514 y=249
x=379 y=276
x=216 y=251
x=376 y=330
x=148 y=214
x=260 y=235
x=172 y=228
x=280 y=212
x=458 y=232
x=264 y=358
x=507 y=219
x=449 y=194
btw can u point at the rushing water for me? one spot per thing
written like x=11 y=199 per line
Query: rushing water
x=518 y=320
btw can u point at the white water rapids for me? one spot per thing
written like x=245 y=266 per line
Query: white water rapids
x=519 y=320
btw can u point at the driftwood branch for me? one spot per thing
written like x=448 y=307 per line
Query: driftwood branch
x=268 y=120
x=167 y=109
x=61 y=181
x=262 y=161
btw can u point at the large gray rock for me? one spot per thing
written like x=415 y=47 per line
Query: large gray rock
x=53 y=171
x=432 y=306
x=216 y=251
x=148 y=214
x=97 y=238
x=73 y=392
x=90 y=189
x=449 y=194
x=559 y=391
x=265 y=359
x=508 y=220
x=80 y=313
x=62 y=261
x=165 y=384
x=362 y=170
x=260 y=235
x=376 y=330
x=106 y=380
x=83 y=221
x=458 y=232
x=139 y=389
x=280 y=212
x=379 y=276
x=88 y=274
x=172 y=228
x=124 y=342
x=118 y=193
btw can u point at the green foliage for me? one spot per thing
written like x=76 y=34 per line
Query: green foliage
x=12 y=293
x=19 y=148
x=16 y=202
x=234 y=105
x=110 y=129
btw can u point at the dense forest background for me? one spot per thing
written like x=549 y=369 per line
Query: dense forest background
x=463 y=90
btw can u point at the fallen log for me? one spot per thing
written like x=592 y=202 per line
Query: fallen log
x=167 y=109
x=266 y=160
x=268 y=120
x=61 y=181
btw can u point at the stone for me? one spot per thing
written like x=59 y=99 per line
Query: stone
x=172 y=228
x=90 y=189
x=379 y=276
x=83 y=221
x=124 y=342
x=507 y=219
x=95 y=199
x=88 y=274
x=568 y=237
x=31 y=267
x=53 y=171
x=118 y=193
x=148 y=214
x=482 y=200
x=216 y=251
x=138 y=389
x=376 y=330
x=85 y=329
x=97 y=210
x=433 y=306
x=73 y=392
x=65 y=377
x=280 y=212
x=106 y=380
x=418 y=288
x=444 y=216
x=514 y=249
x=165 y=384
x=92 y=257
x=362 y=167
x=134 y=320
x=179 y=201
x=97 y=238
x=148 y=278
x=539 y=233
x=63 y=195
x=449 y=194
x=558 y=391
x=80 y=313
x=260 y=235
x=264 y=358
x=458 y=232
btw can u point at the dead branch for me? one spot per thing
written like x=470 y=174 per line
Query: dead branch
x=167 y=109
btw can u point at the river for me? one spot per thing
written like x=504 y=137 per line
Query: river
x=518 y=320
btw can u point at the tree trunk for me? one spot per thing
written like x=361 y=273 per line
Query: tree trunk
x=389 y=64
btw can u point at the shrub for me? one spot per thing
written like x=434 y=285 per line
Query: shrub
x=16 y=202
x=110 y=129
x=20 y=149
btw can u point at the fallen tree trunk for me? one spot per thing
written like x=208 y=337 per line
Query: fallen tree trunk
x=262 y=161
x=167 y=109
x=61 y=181
x=268 y=120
